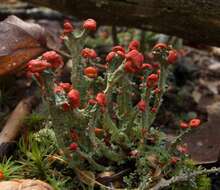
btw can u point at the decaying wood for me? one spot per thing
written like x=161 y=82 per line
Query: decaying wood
x=194 y=20
x=14 y=123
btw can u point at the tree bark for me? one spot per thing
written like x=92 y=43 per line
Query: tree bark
x=195 y=20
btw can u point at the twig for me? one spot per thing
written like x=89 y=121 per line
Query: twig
x=181 y=178
x=13 y=125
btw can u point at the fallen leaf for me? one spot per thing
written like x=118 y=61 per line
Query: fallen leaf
x=20 y=42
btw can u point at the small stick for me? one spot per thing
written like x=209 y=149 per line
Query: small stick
x=13 y=125
x=163 y=183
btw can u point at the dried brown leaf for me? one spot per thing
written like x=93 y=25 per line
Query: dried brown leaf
x=20 y=42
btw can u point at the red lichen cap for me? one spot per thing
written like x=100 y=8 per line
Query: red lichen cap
x=141 y=105
x=73 y=146
x=174 y=159
x=54 y=58
x=134 y=61
x=194 y=123
x=92 y=102
x=110 y=56
x=66 y=86
x=89 y=24
x=157 y=91
x=129 y=67
x=134 y=44
x=101 y=99
x=74 y=98
x=88 y=53
x=172 y=56
x=67 y=27
x=91 y=72
x=118 y=48
x=58 y=89
x=147 y=66
x=152 y=80
x=65 y=107
x=184 y=125
x=154 y=110
x=38 y=66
